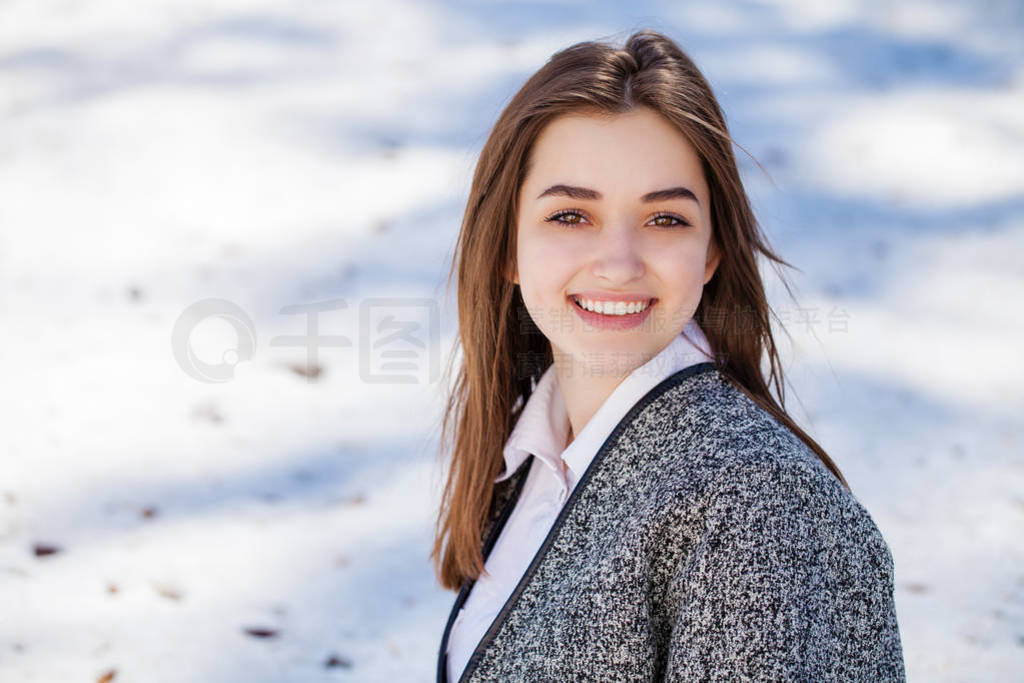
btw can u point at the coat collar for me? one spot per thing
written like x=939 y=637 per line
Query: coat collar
x=543 y=426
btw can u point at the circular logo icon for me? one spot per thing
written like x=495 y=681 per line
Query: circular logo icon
x=185 y=355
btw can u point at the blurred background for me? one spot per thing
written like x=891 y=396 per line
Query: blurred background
x=190 y=192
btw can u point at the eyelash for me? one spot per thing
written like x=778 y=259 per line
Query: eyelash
x=557 y=218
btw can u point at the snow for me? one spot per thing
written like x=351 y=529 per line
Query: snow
x=155 y=155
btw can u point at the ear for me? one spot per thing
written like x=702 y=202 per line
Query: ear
x=714 y=257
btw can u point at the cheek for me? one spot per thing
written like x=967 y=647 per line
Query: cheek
x=680 y=267
x=545 y=265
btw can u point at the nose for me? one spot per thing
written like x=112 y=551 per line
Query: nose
x=618 y=258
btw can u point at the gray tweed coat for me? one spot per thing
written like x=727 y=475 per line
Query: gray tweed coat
x=704 y=542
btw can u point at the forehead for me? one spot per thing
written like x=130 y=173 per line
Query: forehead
x=631 y=153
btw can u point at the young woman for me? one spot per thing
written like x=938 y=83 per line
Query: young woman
x=626 y=499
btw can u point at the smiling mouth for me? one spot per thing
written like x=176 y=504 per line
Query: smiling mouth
x=576 y=302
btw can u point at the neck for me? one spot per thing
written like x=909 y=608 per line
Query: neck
x=584 y=391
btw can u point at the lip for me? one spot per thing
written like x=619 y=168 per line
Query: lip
x=601 y=295
x=611 y=322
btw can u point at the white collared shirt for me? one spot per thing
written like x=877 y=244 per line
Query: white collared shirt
x=541 y=431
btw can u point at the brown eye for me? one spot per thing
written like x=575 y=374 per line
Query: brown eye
x=670 y=217
x=560 y=218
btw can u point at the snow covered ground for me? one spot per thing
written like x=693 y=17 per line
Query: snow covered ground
x=257 y=155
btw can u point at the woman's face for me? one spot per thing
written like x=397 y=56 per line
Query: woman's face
x=624 y=238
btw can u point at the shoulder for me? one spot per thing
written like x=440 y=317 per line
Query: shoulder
x=704 y=422
x=792 y=506
x=708 y=407
x=735 y=465
x=700 y=425
x=783 y=573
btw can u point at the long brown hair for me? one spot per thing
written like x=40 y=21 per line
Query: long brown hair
x=503 y=355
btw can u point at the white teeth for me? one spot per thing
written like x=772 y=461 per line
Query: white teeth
x=613 y=307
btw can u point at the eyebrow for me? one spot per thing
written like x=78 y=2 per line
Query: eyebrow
x=584 y=193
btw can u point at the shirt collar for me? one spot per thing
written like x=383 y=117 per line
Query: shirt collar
x=543 y=426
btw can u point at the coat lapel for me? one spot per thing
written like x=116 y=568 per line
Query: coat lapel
x=608 y=445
